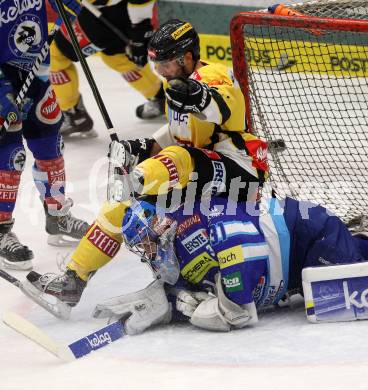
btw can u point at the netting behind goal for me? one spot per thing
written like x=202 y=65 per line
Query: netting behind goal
x=305 y=80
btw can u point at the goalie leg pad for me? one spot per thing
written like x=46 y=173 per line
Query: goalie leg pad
x=336 y=293
x=140 y=310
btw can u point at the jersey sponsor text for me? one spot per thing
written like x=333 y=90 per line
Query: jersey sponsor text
x=103 y=242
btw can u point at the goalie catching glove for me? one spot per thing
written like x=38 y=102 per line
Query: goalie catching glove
x=215 y=313
x=188 y=301
x=187 y=95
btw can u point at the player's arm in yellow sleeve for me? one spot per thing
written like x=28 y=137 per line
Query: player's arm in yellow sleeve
x=227 y=101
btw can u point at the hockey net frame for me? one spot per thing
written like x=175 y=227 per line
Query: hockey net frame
x=339 y=183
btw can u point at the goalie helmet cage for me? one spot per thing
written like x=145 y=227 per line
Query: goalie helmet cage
x=304 y=79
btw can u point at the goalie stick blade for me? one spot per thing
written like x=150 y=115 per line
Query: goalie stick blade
x=98 y=339
x=31 y=331
x=79 y=348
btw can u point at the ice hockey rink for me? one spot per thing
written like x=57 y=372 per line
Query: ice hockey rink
x=284 y=350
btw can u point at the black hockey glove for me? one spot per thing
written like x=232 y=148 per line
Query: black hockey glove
x=187 y=95
x=140 y=35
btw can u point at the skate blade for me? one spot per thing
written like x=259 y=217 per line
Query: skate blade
x=81 y=134
x=50 y=303
x=61 y=241
x=16 y=265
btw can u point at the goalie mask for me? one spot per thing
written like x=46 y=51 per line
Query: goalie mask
x=148 y=233
x=172 y=40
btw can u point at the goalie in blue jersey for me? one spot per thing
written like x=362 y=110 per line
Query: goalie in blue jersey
x=218 y=261
x=232 y=258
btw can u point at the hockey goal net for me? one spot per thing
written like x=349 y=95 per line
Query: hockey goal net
x=305 y=80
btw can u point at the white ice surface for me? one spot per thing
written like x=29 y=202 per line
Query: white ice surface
x=283 y=351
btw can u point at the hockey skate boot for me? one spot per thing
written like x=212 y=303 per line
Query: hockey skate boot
x=151 y=109
x=13 y=254
x=61 y=225
x=56 y=293
x=77 y=120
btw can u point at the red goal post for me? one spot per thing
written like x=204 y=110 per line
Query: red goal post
x=305 y=82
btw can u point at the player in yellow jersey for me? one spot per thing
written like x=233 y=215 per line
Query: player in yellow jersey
x=206 y=131
x=134 y=18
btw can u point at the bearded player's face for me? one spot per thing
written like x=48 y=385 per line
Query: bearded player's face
x=178 y=67
x=169 y=69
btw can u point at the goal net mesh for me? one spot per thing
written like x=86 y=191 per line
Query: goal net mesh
x=305 y=80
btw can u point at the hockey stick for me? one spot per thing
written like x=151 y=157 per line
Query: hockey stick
x=67 y=352
x=87 y=72
x=42 y=55
x=98 y=14
x=11 y=279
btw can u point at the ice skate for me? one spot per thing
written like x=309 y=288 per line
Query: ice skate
x=78 y=121
x=13 y=254
x=151 y=109
x=56 y=293
x=63 y=228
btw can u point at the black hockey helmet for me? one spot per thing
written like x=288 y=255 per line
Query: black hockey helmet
x=173 y=39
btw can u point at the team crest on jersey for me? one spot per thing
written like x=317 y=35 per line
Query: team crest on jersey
x=26 y=36
x=258 y=150
x=195 y=76
x=48 y=110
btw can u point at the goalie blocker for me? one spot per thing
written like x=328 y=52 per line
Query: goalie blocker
x=336 y=293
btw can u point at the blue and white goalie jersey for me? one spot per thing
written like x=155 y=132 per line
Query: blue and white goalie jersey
x=249 y=249
x=260 y=255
